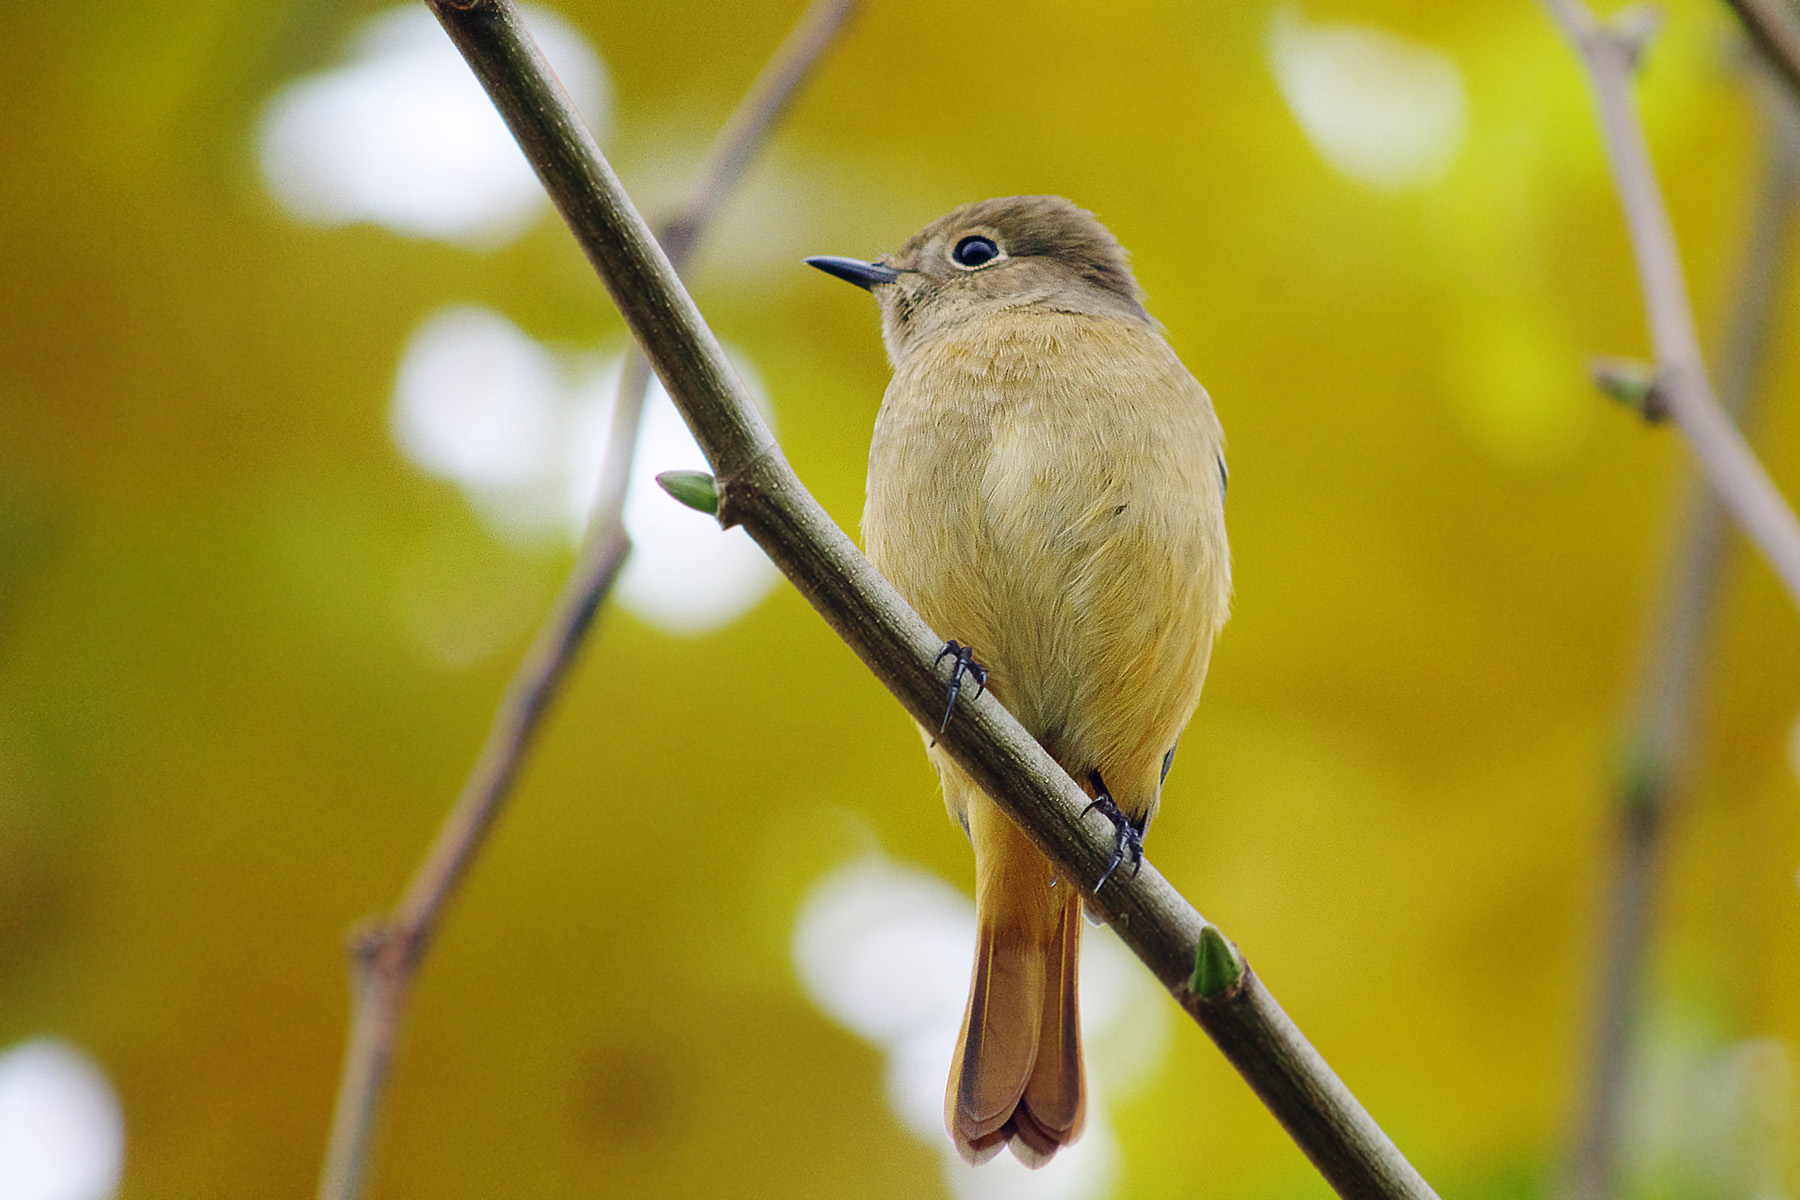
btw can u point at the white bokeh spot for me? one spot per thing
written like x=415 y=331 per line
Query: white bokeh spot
x=403 y=136
x=885 y=950
x=1381 y=109
x=62 y=1133
x=479 y=401
x=1709 y=1115
x=523 y=432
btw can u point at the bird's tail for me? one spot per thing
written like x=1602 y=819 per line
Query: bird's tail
x=1017 y=1076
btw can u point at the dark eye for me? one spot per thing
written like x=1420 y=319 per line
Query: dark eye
x=975 y=251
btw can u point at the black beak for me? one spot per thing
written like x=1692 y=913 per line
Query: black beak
x=864 y=275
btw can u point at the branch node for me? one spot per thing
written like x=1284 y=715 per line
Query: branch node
x=367 y=940
x=378 y=940
x=1632 y=29
x=1644 y=777
x=737 y=485
x=1638 y=385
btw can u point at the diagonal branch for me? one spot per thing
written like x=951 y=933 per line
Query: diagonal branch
x=1610 y=54
x=387 y=953
x=757 y=489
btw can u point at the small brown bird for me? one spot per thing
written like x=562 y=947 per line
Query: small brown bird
x=1046 y=486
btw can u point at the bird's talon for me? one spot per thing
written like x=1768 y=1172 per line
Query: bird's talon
x=964 y=665
x=1128 y=838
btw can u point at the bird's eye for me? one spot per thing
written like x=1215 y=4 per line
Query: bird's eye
x=975 y=251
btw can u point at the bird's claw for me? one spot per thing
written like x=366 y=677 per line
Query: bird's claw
x=964 y=666
x=1128 y=835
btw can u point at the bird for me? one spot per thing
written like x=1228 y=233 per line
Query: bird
x=1046 y=488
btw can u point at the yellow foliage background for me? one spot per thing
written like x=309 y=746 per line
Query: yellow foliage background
x=220 y=747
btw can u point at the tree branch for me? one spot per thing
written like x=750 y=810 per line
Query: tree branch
x=1773 y=27
x=758 y=490
x=388 y=953
x=1610 y=53
x=1656 y=747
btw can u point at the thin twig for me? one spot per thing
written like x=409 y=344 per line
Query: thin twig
x=1656 y=748
x=387 y=954
x=1772 y=25
x=757 y=489
x=730 y=156
x=1610 y=54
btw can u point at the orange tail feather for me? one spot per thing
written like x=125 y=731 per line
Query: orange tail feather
x=1017 y=1076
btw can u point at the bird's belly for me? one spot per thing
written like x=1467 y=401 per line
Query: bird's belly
x=1051 y=497
x=1085 y=589
x=1093 y=625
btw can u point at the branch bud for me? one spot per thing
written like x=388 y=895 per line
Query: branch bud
x=1216 y=965
x=1637 y=385
x=696 y=489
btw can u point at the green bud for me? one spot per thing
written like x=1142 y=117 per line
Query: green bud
x=1216 y=965
x=1632 y=383
x=696 y=489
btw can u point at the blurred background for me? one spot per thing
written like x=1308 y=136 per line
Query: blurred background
x=302 y=388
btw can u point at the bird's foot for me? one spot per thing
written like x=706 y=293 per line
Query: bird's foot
x=1128 y=835
x=963 y=667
